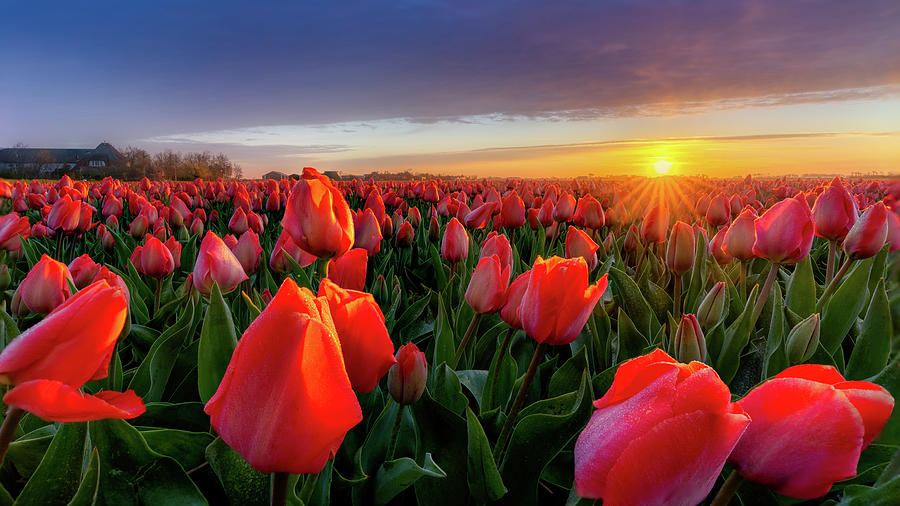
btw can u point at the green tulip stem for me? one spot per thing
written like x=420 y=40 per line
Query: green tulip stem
x=832 y=286
x=764 y=294
x=159 y=285
x=506 y=432
x=729 y=488
x=503 y=347
x=743 y=279
x=829 y=270
x=279 y=489
x=395 y=431
x=676 y=298
x=8 y=429
x=59 y=238
x=470 y=332
x=640 y=259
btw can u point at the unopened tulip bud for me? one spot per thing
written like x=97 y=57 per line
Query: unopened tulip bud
x=681 y=249
x=380 y=291
x=712 y=306
x=869 y=233
x=690 y=344
x=4 y=277
x=406 y=378
x=434 y=230
x=405 y=235
x=455 y=244
x=803 y=340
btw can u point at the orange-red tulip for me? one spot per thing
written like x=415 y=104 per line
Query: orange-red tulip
x=834 y=211
x=579 y=244
x=46 y=285
x=317 y=216
x=455 y=244
x=486 y=292
x=349 y=269
x=366 y=345
x=682 y=248
x=406 y=378
x=809 y=427
x=285 y=402
x=869 y=233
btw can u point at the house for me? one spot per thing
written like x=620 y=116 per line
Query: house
x=49 y=162
x=275 y=175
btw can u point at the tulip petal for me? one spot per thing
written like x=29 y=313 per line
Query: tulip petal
x=814 y=372
x=635 y=374
x=676 y=462
x=55 y=401
x=873 y=402
x=804 y=437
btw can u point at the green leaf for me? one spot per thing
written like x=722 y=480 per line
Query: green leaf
x=628 y=296
x=544 y=429
x=243 y=485
x=447 y=390
x=568 y=377
x=628 y=341
x=886 y=494
x=150 y=380
x=801 y=289
x=135 y=474
x=775 y=359
x=500 y=379
x=843 y=307
x=8 y=329
x=57 y=477
x=188 y=448
x=736 y=338
x=485 y=483
x=89 y=489
x=444 y=433
x=217 y=342
x=444 y=342
x=873 y=347
x=889 y=378
x=412 y=313
x=395 y=476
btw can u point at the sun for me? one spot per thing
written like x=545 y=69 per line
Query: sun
x=662 y=166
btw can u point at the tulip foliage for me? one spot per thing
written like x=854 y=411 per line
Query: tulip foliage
x=310 y=341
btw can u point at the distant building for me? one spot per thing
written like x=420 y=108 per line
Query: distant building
x=50 y=162
x=275 y=175
x=333 y=175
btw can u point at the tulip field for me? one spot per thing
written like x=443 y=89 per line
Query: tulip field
x=624 y=341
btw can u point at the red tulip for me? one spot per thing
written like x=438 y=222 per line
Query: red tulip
x=834 y=212
x=285 y=402
x=285 y=248
x=238 y=223
x=717 y=250
x=65 y=215
x=565 y=208
x=690 y=343
x=589 y=213
x=317 y=216
x=155 y=259
x=486 y=292
x=405 y=235
x=719 y=211
x=349 y=270
x=406 y=378
x=868 y=234
x=660 y=434
x=510 y=311
x=58 y=402
x=138 y=227
x=216 y=264
x=83 y=271
x=455 y=244
x=682 y=248
x=480 y=216
x=11 y=227
x=655 y=225
x=512 y=211
x=46 y=285
x=784 y=233
x=809 y=427
x=558 y=300
x=740 y=236
x=367 y=232
x=248 y=251
x=579 y=244
x=367 y=347
x=893 y=235
x=497 y=244
x=73 y=344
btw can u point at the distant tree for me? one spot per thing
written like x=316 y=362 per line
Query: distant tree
x=137 y=163
x=166 y=164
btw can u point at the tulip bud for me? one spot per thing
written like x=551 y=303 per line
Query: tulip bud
x=380 y=290
x=690 y=344
x=405 y=235
x=434 y=230
x=46 y=286
x=869 y=233
x=455 y=244
x=712 y=306
x=681 y=249
x=406 y=378
x=4 y=277
x=803 y=339
x=486 y=292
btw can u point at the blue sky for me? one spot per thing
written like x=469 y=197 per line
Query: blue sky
x=462 y=87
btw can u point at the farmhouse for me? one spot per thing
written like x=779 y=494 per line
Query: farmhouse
x=48 y=162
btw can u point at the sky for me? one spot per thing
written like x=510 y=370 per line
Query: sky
x=474 y=88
